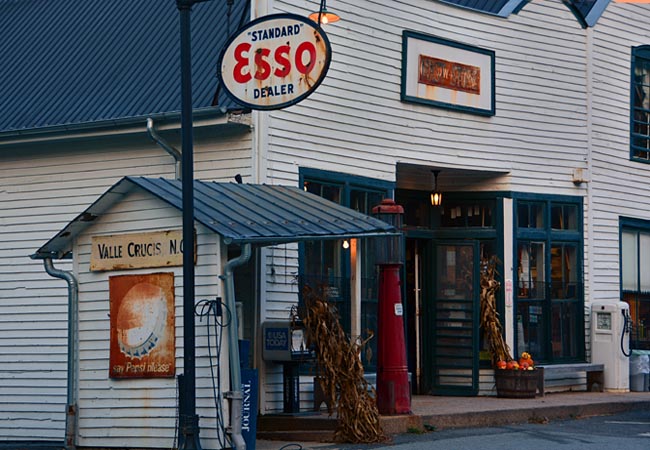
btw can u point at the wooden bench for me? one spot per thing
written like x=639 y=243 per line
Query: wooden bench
x=594 y=372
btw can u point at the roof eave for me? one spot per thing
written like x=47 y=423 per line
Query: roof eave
x=125 y=125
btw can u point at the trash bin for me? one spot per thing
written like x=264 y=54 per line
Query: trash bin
x=639 y=370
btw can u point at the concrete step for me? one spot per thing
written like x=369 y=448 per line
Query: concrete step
x=315 y=427
x=297 y=435
x=292 y=422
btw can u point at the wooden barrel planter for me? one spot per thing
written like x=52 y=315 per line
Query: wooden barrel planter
x=516 y=383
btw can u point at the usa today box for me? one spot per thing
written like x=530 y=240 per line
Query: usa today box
x=283 y=341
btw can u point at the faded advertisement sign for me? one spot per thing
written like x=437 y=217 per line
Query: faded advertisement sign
x=449 y=74
x=142 y=335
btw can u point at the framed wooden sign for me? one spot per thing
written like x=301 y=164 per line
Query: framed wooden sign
x=447 y=74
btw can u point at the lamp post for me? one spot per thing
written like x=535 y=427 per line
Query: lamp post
x=188 y=423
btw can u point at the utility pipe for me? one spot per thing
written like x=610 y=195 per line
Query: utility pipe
x=73 y=297
x=235 y=394
x=173 y=151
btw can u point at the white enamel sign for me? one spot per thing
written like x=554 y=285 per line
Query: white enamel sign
x=275 y=61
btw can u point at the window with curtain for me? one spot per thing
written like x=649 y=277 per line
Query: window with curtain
x=635 y=282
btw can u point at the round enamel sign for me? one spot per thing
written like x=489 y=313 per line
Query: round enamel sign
x=275 y=61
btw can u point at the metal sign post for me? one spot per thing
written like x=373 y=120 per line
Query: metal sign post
x=188 y=419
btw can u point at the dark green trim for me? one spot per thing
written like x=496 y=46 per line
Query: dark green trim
x=641 y=224
x=347 y=183
x=640 y=52
x=435 y=388
x=339 y=178
x=631 y=224
x=556 y=237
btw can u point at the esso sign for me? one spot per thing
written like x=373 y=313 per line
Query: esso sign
x=275 y=61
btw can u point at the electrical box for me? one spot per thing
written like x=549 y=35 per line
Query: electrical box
x=610 y=343
x=284 y=341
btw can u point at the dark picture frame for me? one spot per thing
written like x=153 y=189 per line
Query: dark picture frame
x=447 y=74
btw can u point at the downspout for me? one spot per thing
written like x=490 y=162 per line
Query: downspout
x=73 y=297
x=235 y=394
x=166 y=146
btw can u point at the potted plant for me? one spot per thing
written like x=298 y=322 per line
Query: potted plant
x=514 y=379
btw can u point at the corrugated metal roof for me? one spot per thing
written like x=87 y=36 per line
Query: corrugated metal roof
x=241 y=213
x=68 y=62
x=501 y=8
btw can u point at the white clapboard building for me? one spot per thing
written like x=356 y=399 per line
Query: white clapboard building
x=530 y=118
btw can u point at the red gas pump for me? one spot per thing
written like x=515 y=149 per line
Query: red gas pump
x=393 y=389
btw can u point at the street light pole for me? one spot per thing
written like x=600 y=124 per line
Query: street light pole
x=188 y=425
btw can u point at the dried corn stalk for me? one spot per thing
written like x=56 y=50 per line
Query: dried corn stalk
x=490 y=323
x=341 y=372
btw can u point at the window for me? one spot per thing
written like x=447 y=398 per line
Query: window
x=327 y=263
x=549 y=294
x=640 y=103
x=635 y=279
x=467 y=213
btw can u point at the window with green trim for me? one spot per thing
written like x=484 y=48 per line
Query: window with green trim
x=327 y=263
x=549 y=294
x=465 y=213
x=640 y=104
x=635 y=280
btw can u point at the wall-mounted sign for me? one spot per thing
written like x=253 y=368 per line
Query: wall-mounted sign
x=137 y=250
x=142 y=335
x=275 y=61
x=447 y=74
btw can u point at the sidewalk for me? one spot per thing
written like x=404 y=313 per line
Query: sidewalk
x=437 y=413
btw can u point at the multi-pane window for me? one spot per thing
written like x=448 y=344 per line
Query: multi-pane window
x=635 y=282
x=640 y=114
x=327 y=263
x=467 y=214
x=549 y=297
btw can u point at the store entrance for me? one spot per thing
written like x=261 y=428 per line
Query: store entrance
x=451 y=312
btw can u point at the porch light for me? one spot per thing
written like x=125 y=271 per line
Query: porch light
x=436 y=195
x=323 y=16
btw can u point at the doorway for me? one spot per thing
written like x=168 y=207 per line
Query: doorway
x=446 y=247
x=452 y=313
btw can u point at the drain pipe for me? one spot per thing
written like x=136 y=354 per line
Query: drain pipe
x=166 y=146
x=235 y=394
x=73 y=296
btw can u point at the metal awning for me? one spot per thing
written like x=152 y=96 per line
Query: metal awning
x=258 y=214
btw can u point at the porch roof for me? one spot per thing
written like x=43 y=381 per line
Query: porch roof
x=259 y=214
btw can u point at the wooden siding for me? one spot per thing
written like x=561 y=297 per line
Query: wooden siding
x=44 y=185
x=619 y=186
x=140 y=412
x=355 y=122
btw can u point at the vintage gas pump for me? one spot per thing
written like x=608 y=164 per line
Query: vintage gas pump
x=610 y=343
x=393 y=390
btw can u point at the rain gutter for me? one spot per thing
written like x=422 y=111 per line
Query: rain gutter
x=173 y=151
x=235 y=394
x=73 y=297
